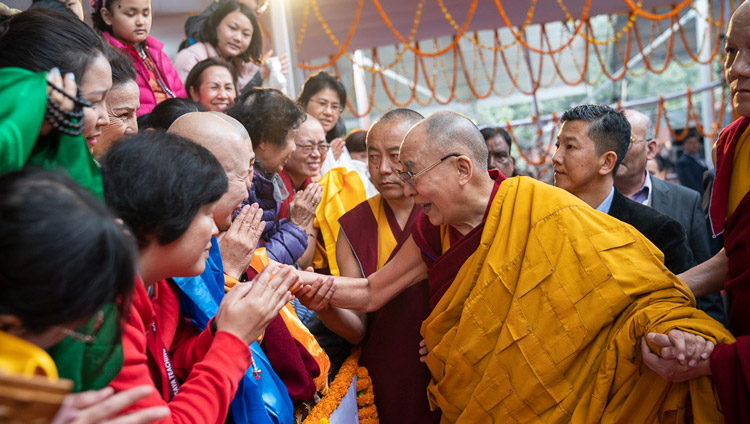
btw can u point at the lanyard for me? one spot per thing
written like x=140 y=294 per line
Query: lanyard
x=158 y=352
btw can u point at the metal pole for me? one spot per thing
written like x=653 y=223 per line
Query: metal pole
x=360 y=89
x=534 y=102
x=281 y=31
x=703 y=35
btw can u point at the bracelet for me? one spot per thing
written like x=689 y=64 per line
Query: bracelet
x=65 y=121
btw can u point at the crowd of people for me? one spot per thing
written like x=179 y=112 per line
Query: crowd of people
x=180 y=241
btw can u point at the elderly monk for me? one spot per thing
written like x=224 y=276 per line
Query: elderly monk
x=729 y=364
x=538 y=300
x=370 y=235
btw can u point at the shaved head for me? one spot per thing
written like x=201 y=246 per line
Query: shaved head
x=450 y=132
x=222 y=137
x=214 y=132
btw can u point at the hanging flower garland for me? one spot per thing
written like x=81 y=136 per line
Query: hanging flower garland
x=368 y=414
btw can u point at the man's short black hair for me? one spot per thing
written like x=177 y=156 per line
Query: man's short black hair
x=156 y=182
x=608 y=128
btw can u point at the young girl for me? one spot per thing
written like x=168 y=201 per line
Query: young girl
x=125 y=24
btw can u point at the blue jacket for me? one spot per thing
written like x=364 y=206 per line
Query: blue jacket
x=284 y=241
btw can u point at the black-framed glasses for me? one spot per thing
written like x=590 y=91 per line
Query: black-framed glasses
x=409 y=177
x=308 y=148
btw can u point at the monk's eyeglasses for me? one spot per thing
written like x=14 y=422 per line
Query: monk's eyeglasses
x=409 y=177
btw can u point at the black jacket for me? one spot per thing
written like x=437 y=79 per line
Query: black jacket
x=663 y=231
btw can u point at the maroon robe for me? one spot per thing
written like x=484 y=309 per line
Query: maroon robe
x=284 y=206
x=730 y=364
x=390 y=351
x=443 y=267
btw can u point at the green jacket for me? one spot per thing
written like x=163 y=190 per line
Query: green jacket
x=22 y=110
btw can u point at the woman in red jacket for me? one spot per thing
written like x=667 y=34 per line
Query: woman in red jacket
x=166 y=188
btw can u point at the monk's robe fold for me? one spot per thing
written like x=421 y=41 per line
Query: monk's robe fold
x=342 y=191
x=543 y=322
x=730 y=212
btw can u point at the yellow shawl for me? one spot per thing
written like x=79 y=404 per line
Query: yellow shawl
x=543 y=322
x=342 y=190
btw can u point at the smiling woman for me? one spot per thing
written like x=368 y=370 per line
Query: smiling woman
x=212 y=83
x=231 y=33
x=122 y=103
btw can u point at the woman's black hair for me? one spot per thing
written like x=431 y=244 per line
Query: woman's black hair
x=267 y=114
x=40 y=39
x=62 y=254
x=209 y=26
x=122 y=67
x=164 y=114
x=195 y=77
x=156 y=182
x=338 y=130
x=96 y=14
x=319 y=81
x=490 y=132
x=356 y=141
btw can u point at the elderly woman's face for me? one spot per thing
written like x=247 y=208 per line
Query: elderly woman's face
x=310 y=151
x=274 y=157
x=233 y=34
x=123 y=101
x=216 y=92
x=95 y=84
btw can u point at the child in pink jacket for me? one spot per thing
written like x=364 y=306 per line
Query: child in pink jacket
x=125 y=24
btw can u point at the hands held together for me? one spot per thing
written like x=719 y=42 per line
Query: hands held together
x=684 y=356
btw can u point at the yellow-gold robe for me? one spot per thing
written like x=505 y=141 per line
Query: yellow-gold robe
x=543 y=322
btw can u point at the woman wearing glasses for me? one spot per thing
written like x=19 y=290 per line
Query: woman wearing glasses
x=324 y=98
x=303 y=166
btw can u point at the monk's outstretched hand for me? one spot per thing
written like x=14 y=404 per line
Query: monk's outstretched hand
x=317 y=296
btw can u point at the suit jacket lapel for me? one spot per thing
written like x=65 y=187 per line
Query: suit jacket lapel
x=660 y=198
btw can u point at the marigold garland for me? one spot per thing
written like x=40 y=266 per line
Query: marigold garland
x=441 y=77
x=338 y=389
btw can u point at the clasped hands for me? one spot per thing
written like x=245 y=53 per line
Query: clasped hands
x=684 y=356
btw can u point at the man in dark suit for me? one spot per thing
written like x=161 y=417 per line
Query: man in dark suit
x=678 y=202
x=691 y=166
x=592 y=141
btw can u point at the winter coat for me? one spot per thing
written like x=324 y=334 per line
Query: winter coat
x=164 y=67
x=206 y=368
x=284 y=241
